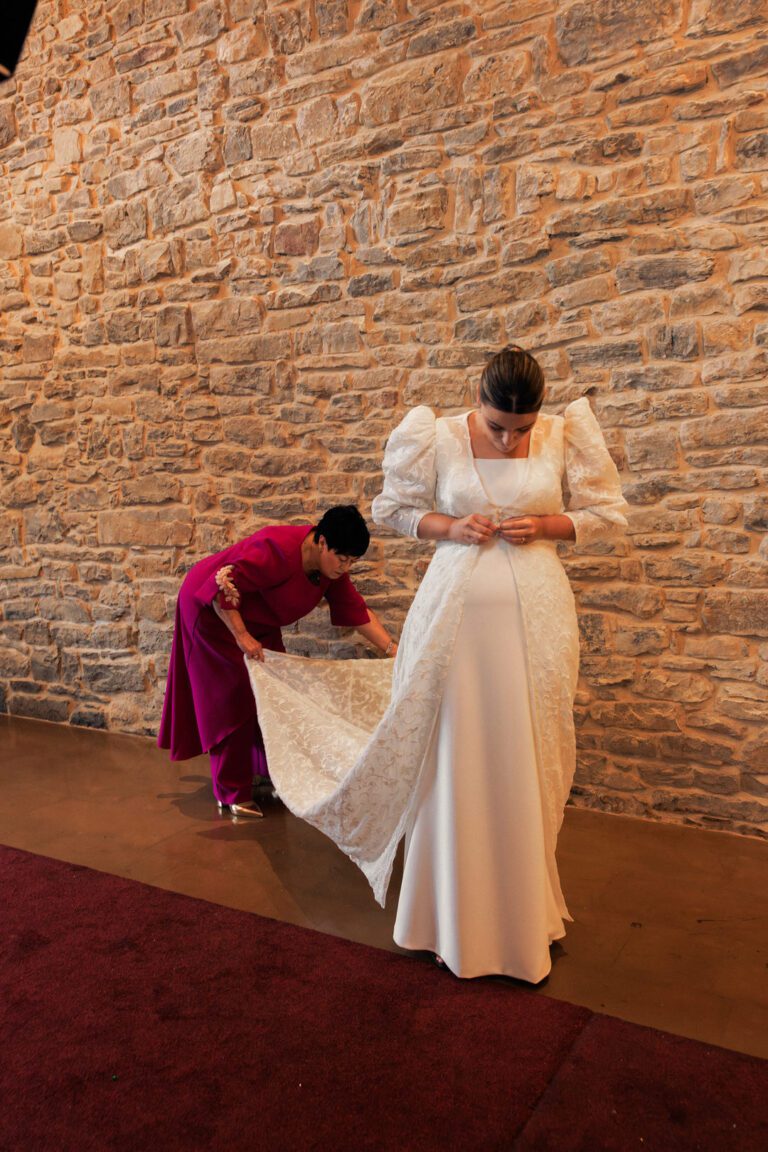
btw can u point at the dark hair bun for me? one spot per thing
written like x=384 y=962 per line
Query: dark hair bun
x=512 y=381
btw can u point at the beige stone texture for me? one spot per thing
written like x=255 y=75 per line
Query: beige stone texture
x=238 y=239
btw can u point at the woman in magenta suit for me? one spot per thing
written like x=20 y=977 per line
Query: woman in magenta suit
x=234 y=604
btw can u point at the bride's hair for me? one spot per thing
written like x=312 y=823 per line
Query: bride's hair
x=512 y=381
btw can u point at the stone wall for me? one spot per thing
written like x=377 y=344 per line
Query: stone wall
x=239 y=237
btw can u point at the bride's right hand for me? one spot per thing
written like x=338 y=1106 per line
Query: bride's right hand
x=474 y=529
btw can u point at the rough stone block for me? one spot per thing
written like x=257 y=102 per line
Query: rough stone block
x=605 y=354
x=178 y=205
x=724 y=430
x=377 y=15
x=641 y=641
x=41 y=240
x=619 y=316
x=699 y=570
x=10 y=241
x=584 y=292
x=591 y=29
x=684 y=687
x=638 y=601
x=435 y=388
x=297 y=237
x=237 y=145
x=317 y=121
x=155 y=489
x=8 y=127
x=163 y=258
x=752 y=152
x=713 y=17
x=222 y=318
x=733 y=69
x=655 y=448
x=578 y=267
x=748 y=265
x=110 y=99
x=39 y=707
x=155 y=527
x=370 y=284
x=505 y=73
x=649 y=272
x=273 y=141
x=424 y=306
x=173 y=326
x=510 y=286
x=67 y=146
x=107 y=677
x=750 y=298
x=671 y=82
x=288 y=29
x=199 y=27
x=245 y=349
x=198 y=152
x=124 y=224
x=410 y=90
x=422 y=212
x=257 y=379
x=740 y=613
x=712 y=196
x=38 y=347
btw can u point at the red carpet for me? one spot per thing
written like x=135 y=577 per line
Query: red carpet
x=133 y=1019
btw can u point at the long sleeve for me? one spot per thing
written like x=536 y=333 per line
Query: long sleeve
x=348 y=608
x=596 y=504
x=409 y=474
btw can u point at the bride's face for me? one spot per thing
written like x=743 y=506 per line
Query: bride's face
x=504 y=430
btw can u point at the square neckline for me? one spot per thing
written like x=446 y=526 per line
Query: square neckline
x=476 y=472
x=531 y=443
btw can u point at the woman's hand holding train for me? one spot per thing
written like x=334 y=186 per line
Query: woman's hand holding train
x=250 y=646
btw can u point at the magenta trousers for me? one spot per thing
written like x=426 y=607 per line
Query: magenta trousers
x=236 y=761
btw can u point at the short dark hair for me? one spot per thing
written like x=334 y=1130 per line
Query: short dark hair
x=512 y=381
x=345 y=530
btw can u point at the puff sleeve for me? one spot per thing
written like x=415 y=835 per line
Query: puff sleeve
x=410 y=474
x=596 y=504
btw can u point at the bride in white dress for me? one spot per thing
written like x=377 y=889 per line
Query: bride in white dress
x=480 y=886
x=470 y=754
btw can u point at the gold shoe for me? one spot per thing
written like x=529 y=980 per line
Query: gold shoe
x=245 y=808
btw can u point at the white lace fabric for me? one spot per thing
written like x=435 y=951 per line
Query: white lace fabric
x=346 y=740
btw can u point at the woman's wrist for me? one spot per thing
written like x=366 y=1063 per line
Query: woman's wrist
x=389 y=649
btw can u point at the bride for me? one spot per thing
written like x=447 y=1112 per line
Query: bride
x=471 y=755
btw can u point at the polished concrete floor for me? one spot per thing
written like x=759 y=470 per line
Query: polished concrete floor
x=671 y=923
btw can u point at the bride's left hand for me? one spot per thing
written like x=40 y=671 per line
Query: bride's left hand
x=522 y=529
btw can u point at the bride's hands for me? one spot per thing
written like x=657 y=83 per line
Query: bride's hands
x=474 y=529
x=522 y=529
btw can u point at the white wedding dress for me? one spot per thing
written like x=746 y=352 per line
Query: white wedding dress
x=476 y=887
x=470 y=750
